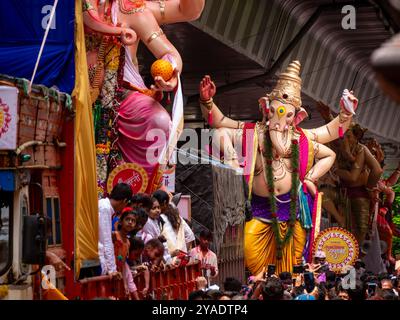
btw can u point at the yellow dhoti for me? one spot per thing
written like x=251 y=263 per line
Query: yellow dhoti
x=260 y=246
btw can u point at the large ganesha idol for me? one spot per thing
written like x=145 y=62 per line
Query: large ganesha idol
x=125 y=110
x=282 y=164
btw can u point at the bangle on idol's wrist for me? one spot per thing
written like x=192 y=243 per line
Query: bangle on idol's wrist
x=341 y=120
x=206 y=101
x=311 y=180
x=344 y=116
x=240 y=125
x=208 y=104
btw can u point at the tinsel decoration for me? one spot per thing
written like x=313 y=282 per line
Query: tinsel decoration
x=97 y=115
x=281 y=242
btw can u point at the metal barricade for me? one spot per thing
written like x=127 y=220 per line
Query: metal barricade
x=102 y=287
x=173 y=284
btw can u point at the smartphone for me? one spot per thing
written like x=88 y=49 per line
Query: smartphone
x=324 y=268
x=371 y=288
x=309 y=281
x=298 y=269
x=270 y=270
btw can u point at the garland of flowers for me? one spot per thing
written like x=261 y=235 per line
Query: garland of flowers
x=281 y=242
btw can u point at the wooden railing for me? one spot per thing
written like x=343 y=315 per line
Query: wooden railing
x=173 y=284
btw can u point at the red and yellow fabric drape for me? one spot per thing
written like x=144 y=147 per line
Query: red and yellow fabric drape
x=86 y=206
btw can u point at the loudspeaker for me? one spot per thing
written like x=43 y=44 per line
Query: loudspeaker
x=34 y=239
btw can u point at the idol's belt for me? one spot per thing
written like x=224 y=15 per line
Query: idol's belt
x=267 y=220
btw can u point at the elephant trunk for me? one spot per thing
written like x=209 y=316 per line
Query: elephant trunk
x=93 y=21
x=277 y=141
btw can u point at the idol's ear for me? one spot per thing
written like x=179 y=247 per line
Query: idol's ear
x=263 y=102
x=300 y=116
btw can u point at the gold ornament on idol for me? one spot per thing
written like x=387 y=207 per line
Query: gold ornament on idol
x=131 y=6
x=155 y=35
x=288 y=87
x=162 y=8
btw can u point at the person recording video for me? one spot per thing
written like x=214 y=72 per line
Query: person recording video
x=319 y=266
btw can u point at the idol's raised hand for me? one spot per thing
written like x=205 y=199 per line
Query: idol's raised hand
x=207 y=89
x=349 y=102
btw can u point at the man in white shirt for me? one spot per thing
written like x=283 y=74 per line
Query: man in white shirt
x=207 y=258
x=118 y=200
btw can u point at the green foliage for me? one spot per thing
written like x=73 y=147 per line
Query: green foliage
x=396 y=219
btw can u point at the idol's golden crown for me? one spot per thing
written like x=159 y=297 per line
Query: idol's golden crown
x=288 y=87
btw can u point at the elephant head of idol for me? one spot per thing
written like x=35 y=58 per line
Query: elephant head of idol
x=282 y=107
x=93 y=18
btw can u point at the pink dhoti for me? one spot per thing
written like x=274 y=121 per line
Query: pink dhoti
x=143 y=127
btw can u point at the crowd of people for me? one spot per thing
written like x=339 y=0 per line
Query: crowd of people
x=142 y=233
x=315 y=282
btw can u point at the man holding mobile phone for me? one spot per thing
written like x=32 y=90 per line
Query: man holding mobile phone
x=319 y=266
x=298 y=269
x=270 y=271
x=207 y=258
x=307 y=280
x=371 y=289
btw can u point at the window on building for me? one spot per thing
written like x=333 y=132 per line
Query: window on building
x=53 y=213
x=6 y=209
